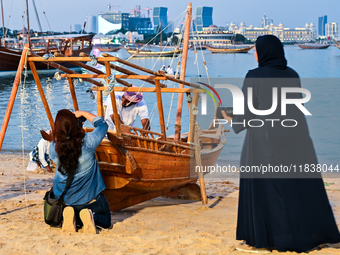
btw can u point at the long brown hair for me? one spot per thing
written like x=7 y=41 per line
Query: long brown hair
x=69 y=138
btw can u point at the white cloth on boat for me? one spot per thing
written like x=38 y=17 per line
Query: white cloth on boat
x=43 y=150
x=128 y=114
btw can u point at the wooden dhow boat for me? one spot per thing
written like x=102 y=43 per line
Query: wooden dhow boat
x=137 y=164
x=108 y=47
x=68 y=45
x=229 y=49
x=150 y=53
x=313 y=46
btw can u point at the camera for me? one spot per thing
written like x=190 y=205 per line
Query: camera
x=81 y=120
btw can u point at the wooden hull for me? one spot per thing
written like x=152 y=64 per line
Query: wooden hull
x=313 y=46
x=229 y=50
x=136 y=171
x=145 y=54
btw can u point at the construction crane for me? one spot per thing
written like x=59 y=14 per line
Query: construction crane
x=136 y=12
x=148 y=9
x=109 y=6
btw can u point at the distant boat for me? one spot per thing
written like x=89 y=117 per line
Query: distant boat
x=68 y=45
x=108 y=47
x=229 y=49
x=150 y=53
x=313 y=46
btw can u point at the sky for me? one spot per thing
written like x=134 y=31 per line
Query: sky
x=60 y=14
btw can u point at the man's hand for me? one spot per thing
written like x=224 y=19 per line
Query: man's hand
x=146 y=124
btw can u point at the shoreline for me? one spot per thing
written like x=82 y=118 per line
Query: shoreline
x=158 y=226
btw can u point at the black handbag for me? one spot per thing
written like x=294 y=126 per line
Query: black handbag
x=53 y=208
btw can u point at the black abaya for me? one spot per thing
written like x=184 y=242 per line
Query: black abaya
x=285 y=212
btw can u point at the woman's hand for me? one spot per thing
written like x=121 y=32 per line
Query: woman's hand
x=79 y=113
x=87 y=115
x=228 y=118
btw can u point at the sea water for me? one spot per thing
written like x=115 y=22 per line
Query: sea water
x=319 y=70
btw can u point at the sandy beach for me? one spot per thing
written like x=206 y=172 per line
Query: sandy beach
x=159 y=226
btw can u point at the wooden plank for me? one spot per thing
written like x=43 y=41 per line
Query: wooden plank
x=66 y=70
x=13 y=94
x=120 y=69
x=100 y=104
x=108 y=68
x=172 y=143
x=90 y=68
x=133 y=65
x=141 y=130
x=125 y=83
x=73 y=94
x=160 y=109
x=182 y=76
x=140 y=77
x=156 y=152
x=115 y=114
x=145 y=89
x=200 y=173
x=42 y=95
x=96 y=76
x=192 y=121
x=70 y=59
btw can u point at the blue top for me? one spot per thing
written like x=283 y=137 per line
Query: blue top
x=87 y=182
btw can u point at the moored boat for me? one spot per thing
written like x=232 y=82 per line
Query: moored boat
x=68 y=45
x=229 y=49
x=108 y=47
x=150 y=53
x=313 y=46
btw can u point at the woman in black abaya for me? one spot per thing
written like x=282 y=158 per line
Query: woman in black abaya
x=287 y=212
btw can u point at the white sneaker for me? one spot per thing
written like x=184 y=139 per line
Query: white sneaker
x=69 y=220
x=86 y=217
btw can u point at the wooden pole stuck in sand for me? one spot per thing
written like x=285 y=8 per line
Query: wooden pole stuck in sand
x=198 y=160
x=13 y=94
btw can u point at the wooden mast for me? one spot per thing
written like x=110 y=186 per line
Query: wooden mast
x=13 y=95
x=3 y=24
x=182 y=76
x=28 y=26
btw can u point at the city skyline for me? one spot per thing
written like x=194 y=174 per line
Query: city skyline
x=64 y=14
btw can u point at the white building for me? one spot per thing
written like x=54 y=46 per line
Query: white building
x=130 y=37
x=285 y=34
x=75 y=28
x=91 y=24
x=332 y=30
x=211 y=35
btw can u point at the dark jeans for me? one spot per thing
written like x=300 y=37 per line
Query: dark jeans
x=100 y=210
